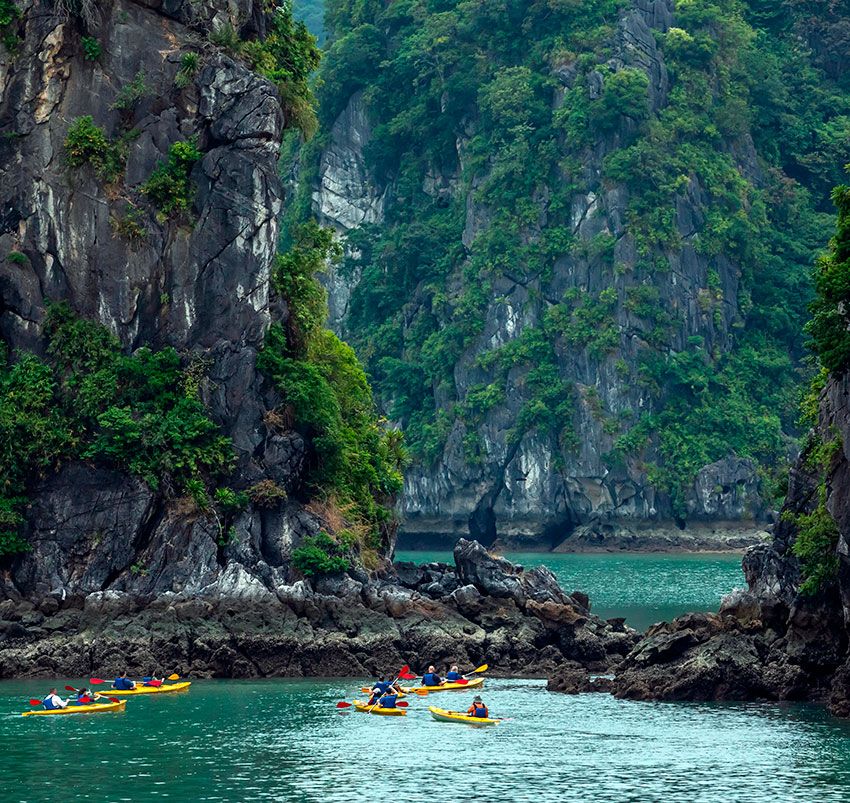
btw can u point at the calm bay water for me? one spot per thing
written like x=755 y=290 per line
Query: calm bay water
x=643 y=587
x=284 y=740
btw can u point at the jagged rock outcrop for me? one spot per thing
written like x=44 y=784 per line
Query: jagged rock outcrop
x=530 y=490
x=339 y=625
x=769 y=641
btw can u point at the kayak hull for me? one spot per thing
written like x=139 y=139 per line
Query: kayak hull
x=376 y=709
x=442 y=715
x=474 y=683
x=94 y=708
x=164 y=689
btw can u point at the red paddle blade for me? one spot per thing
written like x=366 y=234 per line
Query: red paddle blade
x=408 y=676
x=96 y=680
x=402 y=704
x=114 y=700
x=343 y=705
x=35 y=702
x=404 y=670
x=70 y=688
x=462 y=681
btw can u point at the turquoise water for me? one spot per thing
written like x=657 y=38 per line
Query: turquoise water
x=643 y=587
x=284 y=741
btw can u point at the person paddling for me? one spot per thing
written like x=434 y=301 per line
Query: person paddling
x=431 y=678
x=388 y=701
x=85 y=697
x=453 y=675
x=53 y=701
x=123 y=683
x=478 y=709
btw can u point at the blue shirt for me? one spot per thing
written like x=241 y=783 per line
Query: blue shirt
x=122 y=684
x=453 y=676
x=430 y=679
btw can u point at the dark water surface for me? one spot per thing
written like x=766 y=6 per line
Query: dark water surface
x=643 y=587
x=284 y=740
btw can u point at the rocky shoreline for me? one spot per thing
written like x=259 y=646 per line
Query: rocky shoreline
x=483 y=608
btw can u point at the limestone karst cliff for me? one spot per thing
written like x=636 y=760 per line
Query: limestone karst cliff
x=143 y=449
x=578 y=248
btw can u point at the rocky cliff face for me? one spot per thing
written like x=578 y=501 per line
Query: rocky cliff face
x=770 y=641
x=532 y=488
x=200 y=285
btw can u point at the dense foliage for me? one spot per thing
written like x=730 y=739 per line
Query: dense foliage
x=468 y=100
x=319 y=554
x=326 y=395
x=169 y=187
x=89 y=400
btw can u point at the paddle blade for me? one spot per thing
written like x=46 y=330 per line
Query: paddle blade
x=461 y=681
x=70 y=688
x=173 y=677
x=343 y=705
x=155 y=683
x=35 y=702
x=402 y=704
x=408 y=676
x=405 y=670
x=96 y=680
x=113 y=700
x=482 y=668
x=421 y=692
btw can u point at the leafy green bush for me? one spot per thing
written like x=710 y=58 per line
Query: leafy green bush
x=169 y=188
x=138 y=412
x=130 y=94
x=829 y=327
x=87 y=143
x=91 y=48
x=319 y=555
x=9 y=15
x=17 y=258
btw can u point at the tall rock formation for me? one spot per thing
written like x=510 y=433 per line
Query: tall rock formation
x=566 y=361
x=199 y=283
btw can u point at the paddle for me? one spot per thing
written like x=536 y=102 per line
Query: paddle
x=341 y=704
x=96 y=696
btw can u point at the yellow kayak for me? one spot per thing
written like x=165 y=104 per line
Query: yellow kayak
x=94 y=708
x=166 y=687
x=376 y=709
x=474 y=683
x=442 y=715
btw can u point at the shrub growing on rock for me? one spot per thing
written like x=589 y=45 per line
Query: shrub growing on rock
x=319 y=555
x=87 y=143
x=169 y=188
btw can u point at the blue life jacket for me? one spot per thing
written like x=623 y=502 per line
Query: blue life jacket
x=48 y=703
x=453 y=676
x=383 y=686
x=480 y=710
x=388 y=701
x=430 y=679
x=122 y=684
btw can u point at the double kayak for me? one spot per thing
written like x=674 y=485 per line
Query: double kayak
x=376 y=709
x=164 y=689
x=441 y=715
x=367 y=690
x=93 y=708
x=474 y=683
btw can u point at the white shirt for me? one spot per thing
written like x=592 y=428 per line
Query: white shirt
x=56 y=701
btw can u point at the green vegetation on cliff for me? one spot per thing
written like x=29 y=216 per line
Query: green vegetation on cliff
x=497 y=113
x=88 y=400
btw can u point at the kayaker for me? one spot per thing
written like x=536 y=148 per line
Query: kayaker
x=85 y=697
x=453 y=675
x=123 y=683
x=388 y=701
x=53 y=701
x=478 y=709
x=431 y=678
x=381 y=685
